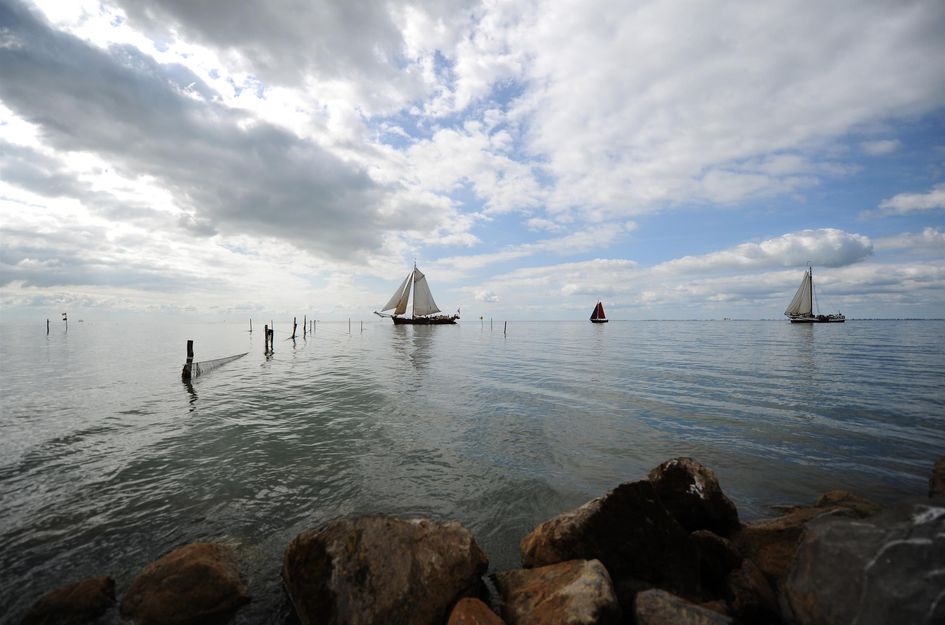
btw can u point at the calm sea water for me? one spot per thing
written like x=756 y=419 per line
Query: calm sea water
x=108 y=460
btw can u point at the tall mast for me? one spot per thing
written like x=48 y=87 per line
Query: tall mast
x=810 y=270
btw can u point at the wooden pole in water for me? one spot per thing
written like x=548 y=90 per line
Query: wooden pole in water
x=185 y=374
x=272 y=340
x=266 y=332
x=505 y=328
x=349 y=325
x=47 y=326
x=294 y=326
x=250 y=326
x=304 y=326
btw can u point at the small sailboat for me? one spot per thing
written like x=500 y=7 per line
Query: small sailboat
x=598 y=315
x=424 y=308
x=801 y=308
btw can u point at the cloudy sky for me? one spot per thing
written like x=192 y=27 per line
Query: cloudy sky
x=674 y=159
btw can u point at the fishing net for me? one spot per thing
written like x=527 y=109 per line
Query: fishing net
x=199 y=368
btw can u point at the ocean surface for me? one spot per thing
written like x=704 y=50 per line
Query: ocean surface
x=108 y=460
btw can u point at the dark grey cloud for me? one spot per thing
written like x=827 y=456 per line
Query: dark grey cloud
x=287 y=40
x=231 y=172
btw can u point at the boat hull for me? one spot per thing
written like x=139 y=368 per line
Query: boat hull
x=599 y=320
x=425 y=321
x=820 y=319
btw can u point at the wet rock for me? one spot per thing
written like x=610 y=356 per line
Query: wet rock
x=889 y=568
x=717 y=558
x=381 y=569
x=658 y=607
x=74 y=604
x=691 y=493
x=629 y=531
x=576 y=592
x=472 y=611
x=859 y=506
x=753 y=600
x=196 y=583
x=771 y=543
x=937 y=481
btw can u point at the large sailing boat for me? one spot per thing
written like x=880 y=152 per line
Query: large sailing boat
x=424 y=308
x=801 y=308
x=598 y=315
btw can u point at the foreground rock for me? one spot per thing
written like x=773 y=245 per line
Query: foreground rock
x=472 y=611
x=771 y=544
x=886 y=569
x=937 y=481
x=577 y=592
x=74 y=604
x=380 y=569
x=691 y=493
x=196 y=583
x=630 y=532
x=658 y=607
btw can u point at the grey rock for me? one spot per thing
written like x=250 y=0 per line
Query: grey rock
x=937 y=481
x=658 y=607
x=381 y=569
x=73 y=604
x=889 y=568
x=576 y=592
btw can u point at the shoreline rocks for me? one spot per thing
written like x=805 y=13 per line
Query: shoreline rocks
x=668 y=549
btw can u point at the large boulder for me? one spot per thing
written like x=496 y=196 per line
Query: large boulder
x=194 y=584
x=691 y=493
x=937 y=481
x=751 y=596
x=717 y=558
x=658 y=607
x=577 y=592
x=889 y=568
x=629 y=531
x=472 y=611
x=771 y=543
x=74 y=604
x=381 y=569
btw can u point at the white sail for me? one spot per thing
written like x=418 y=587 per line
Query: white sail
x=423 y=303
x=399 y=299
x=801 y=304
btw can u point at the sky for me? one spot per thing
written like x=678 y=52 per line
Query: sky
x=676 y=160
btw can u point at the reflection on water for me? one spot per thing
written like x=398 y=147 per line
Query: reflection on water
x=105 y=464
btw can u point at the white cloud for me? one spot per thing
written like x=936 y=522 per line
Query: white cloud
x=907 y=203
x=880 y=147
x=930 y=240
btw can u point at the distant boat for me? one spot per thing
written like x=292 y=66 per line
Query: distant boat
x=424 y=308
x=598 y=315
x=800 y=310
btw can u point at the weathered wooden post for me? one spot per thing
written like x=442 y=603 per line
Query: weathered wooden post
x=505 y=328
x=47 y=326
x=304 y=326
x=272 y=340
x=294 y=326
x=250 y=326
x=349 y=325
x=266 y=332
x=185 y=374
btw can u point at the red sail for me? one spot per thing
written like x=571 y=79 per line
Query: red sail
x=598 y=312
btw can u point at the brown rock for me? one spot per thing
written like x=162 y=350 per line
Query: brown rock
x=629 y=531
x=74 y=604
x=691 y=493
x=753 y=600
x=196 y=583
x=717 y=558
x=937 y=481
x=658 y=607
x=380 y=569
x=577 y=592
x=771 y=544
x=472 y=611
x=859 y=506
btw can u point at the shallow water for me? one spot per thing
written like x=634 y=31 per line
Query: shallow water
x=108 y=460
